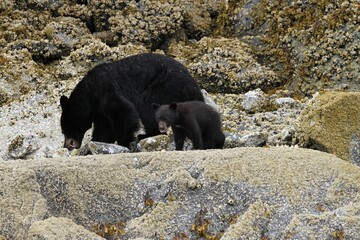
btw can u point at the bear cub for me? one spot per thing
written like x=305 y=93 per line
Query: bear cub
x=193 y=119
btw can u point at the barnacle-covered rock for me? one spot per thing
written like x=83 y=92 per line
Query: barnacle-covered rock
x=312 y=45
x=252 y=192
x=225 y=65
x=21 y=25
x=147 y=22
x=39 y=5
x=155 y=143
x=91 y=54
x=19 y=73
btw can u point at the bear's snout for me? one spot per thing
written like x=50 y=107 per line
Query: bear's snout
x=162 y=127
x=71 y=144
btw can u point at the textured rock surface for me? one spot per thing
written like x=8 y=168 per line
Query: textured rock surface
x=288 y=49
x=225 y=65
x=59 y=228
x=254 y=192
x=311 y=45
x=331 y=124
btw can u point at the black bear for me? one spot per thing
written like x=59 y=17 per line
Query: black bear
x=195 y=120
x=116 y=96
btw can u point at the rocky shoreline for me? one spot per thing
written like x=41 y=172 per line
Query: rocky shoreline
x=283 y=74
x=239 y=193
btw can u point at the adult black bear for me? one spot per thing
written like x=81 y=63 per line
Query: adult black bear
x=195 y=120
x=115 y=96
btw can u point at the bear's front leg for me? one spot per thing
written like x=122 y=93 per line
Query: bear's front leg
x=122 y=116
x=179 y=137
x=102 y=131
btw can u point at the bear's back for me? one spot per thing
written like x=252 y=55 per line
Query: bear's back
x=136 y=74
x=201 y=110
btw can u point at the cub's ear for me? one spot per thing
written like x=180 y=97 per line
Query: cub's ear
x=173 y=106
x=155 y=106
x=64 y=101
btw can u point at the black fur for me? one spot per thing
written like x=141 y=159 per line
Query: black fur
x=195 y=120
x=115 y=95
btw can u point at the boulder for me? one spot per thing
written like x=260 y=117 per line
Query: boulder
x=331 y=124
x=268 y=193
x=59 y=228
x=254 y=101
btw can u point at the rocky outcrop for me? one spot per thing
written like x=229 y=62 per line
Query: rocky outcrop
x=287 y=50
x=331 y=124
x=252 y=193
x=59 y=228
x=226 y=65
x=311 y=45
x=260 y=61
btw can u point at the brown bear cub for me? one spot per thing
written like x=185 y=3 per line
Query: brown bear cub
x=195 y=120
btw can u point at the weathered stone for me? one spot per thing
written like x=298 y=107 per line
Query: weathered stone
x=155 y=143
x=355 y=150
x=21 y=146
x=285 y=137
x=331 y=123
x=282 y=47
x=225 y=65
x=59 y=228
x=106 y=148
x=253 y=140
x=143 y=195
x=208 y=100
x=286 y=101
x=254 y=101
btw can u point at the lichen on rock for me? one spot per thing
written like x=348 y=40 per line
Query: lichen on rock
x=314 y=44
x=226 y=65
x=330 y=123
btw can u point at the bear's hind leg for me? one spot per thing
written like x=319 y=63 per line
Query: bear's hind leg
x=194 y=132
x=220 y=141
x=214 y=141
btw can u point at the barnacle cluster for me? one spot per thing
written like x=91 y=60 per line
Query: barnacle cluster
x=228 y=66
x=147 y=22
x=315 y=42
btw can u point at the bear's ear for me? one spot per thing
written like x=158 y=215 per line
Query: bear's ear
x=64 y=101
x=173 y=106
x=155 y=106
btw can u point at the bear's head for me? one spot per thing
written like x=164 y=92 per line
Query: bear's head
x=165 y=115
x=73 y=124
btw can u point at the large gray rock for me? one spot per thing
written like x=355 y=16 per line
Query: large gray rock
x=252 y=193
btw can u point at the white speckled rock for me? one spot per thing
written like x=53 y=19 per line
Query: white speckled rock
x=254 y=101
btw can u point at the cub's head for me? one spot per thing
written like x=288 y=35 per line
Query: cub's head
x=165 y=115
x=72 y=125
